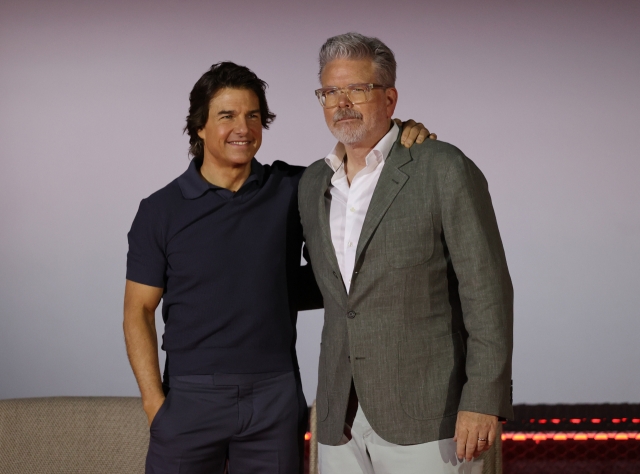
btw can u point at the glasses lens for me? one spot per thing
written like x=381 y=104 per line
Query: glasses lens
x=358 y=93
x=331 y=97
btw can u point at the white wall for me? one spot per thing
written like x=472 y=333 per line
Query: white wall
x=543 y=95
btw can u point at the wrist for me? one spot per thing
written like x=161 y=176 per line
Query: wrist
x=151 y=402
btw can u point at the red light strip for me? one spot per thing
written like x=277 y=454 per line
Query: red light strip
x=576 y=421
x=559 y=436
x=576 y=436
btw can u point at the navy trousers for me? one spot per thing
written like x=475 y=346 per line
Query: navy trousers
x=256 y=421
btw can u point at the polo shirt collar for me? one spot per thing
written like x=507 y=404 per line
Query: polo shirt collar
x=193 y=185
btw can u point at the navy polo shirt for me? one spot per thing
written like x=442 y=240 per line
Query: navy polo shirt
x=229 y=266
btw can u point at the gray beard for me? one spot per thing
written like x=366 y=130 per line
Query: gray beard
x=349 y=135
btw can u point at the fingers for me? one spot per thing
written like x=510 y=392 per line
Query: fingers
x=413 y=132
x=466 y=444
x=475 y=433
x=492 y=437
x=471 y=445
x=482 y=444
x=423 y=133
x=413 y=136
x=461 y=445
x=407 y=131
x=461 y=436
x=485 y=441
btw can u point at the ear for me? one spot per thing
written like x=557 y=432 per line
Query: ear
x=201 y=133
x=391 y=95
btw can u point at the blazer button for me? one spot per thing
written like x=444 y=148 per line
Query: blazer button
x=351 y=314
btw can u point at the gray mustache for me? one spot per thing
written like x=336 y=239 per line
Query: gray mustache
x=346 y=113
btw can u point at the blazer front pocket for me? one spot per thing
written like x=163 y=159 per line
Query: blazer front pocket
x=408 y=240
x=431 y=373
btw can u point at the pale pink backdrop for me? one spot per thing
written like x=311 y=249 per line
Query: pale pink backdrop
x=543 y=95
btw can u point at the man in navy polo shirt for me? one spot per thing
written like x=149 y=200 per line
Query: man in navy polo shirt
x=221 y=245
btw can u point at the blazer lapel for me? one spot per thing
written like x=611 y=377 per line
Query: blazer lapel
x=325 y=229
x=389 y=185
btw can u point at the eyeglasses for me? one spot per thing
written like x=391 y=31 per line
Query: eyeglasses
x=356 y=93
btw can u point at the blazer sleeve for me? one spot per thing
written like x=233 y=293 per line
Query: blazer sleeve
x=484 y=285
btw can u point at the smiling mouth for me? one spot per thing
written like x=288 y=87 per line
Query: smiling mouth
x=239 y=143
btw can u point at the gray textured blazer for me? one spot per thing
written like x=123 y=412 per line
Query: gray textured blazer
x=427 y=327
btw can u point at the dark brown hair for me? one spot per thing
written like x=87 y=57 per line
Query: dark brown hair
x=220 y=76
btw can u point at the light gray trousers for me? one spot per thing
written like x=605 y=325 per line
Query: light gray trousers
x=368 y=453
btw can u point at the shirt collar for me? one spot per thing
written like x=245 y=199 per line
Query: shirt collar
x=193 y=185
x=335 y=159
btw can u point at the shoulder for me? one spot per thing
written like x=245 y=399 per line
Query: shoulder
x=444 y=158
x=437 y=152
x=160 y=205
x=317 y=166
x=165 y=196
x=285 y=169
x=314 y=170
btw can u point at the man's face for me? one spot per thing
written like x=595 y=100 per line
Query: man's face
x=364 y=123
x=233 y=132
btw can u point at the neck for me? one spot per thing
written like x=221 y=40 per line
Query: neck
x=231 y=178
x=356 y=158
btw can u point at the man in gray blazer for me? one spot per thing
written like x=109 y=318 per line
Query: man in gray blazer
x=415 y=363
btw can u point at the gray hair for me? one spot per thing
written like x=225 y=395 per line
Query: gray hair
x=357 y=46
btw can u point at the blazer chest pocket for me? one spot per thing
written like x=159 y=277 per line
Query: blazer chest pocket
x=409 y=240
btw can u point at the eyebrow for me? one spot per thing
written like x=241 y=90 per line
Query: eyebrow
x=233 y=112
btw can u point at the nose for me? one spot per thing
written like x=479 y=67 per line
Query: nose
x=344 y=100
x=241 y=125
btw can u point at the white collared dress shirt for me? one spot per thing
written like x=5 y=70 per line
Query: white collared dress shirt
x=347 y=205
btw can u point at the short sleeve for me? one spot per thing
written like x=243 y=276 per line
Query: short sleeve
x=146 y=259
